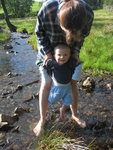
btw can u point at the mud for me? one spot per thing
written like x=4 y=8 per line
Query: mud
x=19 y=85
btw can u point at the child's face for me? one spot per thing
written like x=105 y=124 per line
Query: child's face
x=62 y=54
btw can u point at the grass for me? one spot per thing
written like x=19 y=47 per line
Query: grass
x=50 y=140
x=32 y=39
x=97 y=51
x=25 y=23
x=4 y=36
x=55 y=140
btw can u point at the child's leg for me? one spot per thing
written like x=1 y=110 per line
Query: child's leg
x=43 y=105
x=62 y=112
x=79 y=121
x=73 y=107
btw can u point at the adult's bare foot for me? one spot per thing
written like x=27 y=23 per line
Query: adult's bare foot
x=79 y=121
x=37 y=130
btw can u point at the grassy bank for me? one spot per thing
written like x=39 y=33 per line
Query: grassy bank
x=4 y=36
x=97 y=51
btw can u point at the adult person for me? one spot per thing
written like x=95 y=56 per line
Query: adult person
x=67 y=21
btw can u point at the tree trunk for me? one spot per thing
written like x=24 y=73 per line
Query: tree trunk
x=11 y=26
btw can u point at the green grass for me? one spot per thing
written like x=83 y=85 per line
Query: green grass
x=55 y=140
x=50 y=140
x=32 y=40
x=97 y=51
x=4 y=36
x=28 y=23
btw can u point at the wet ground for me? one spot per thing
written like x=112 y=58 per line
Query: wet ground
x=18 y=69
x=19 y=84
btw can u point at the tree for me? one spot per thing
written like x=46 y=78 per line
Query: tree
x=19 y=8
x=11 y=26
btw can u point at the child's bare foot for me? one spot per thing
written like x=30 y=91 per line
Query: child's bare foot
x=37 y=130
x=79 y=121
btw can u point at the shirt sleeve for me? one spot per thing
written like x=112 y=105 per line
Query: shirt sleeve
x=42 y=40
x=49 y=64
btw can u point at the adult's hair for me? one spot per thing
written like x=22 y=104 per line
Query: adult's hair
x=72 y=17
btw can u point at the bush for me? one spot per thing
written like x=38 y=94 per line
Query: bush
x=95 y=4
x=19 y=8
x=108 y=2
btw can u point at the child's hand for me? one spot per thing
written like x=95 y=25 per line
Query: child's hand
x=47 y=56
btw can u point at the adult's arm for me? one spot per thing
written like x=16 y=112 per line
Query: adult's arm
x=42 y=39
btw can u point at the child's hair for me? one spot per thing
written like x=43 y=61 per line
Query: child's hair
x=72 y=17
x=61 y=46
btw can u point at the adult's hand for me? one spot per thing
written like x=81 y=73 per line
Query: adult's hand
x=47 y=56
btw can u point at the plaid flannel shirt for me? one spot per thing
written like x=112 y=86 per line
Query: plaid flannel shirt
x=49 y=32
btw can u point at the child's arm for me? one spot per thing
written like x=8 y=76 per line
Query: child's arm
x=50 y=63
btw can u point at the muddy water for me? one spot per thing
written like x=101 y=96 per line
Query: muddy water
x=18 y=69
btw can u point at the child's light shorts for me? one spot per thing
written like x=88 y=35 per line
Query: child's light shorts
x=63 y=93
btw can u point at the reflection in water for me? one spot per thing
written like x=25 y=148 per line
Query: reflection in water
x=4 y=61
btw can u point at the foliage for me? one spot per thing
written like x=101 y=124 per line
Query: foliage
x=95 y=3
x=99 y=3
x=0 y=6
x=35 y=8
x=19 y=8
x=11 y=27
x=108 y=2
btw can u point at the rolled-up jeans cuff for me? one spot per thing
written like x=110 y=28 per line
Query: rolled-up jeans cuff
x=77 y=73
x=44 y=75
